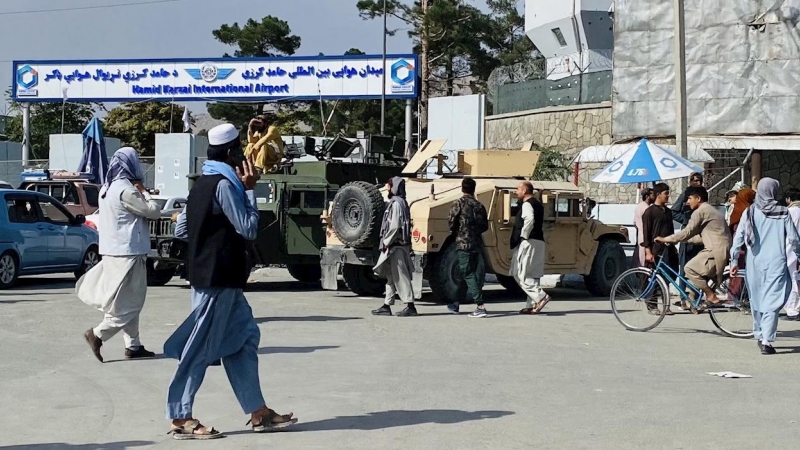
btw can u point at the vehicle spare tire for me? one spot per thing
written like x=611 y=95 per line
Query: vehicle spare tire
x=358 y=209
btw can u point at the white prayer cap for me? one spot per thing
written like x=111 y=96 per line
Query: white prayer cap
x=222 y=134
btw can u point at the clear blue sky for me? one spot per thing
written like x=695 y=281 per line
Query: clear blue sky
x=175 y=29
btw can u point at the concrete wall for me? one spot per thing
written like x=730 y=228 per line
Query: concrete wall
x=784 y=166
x=566 y=128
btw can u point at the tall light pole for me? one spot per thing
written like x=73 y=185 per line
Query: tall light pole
x=681 y=128
x=383 y=84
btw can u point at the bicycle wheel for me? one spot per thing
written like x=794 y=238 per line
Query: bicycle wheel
x=639 y=300
x=734 y=318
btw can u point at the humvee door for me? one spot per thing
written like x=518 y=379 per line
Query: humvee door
x=563 y=224
x=303 y=231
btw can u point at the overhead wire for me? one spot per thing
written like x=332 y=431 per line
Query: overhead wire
x=83 y=8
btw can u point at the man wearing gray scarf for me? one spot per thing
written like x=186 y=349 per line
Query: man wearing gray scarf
x=394 y=263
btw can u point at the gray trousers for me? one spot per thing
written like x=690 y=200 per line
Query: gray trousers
x=398 y=281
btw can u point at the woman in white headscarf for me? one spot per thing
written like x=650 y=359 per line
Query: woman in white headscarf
x=766 y=229
x=117 y=286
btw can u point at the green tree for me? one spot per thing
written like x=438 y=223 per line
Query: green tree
x=553 y=165
x=46 y=120
x=507 y=39
x=449 y=34
x=449 y=37
x=136 y=124
x=268 y=38
x=350 y=116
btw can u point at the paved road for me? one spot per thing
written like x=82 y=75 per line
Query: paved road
x=569 y=379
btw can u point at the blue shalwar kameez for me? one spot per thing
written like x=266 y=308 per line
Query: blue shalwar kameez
x=767 y=276
x=221 y=325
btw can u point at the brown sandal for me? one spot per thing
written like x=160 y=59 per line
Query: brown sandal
x=284 y=421
x=526 y=311
x=541 y=304
x=188 y=431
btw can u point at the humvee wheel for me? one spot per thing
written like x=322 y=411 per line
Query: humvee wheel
x=445 y=277
x=609 y=263
x=510 y=284
x=305 y=273
x=362 y=281
x=158 y=277
x=358 y=209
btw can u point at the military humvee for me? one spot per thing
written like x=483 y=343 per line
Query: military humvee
x=575 y=244
x=291 y=200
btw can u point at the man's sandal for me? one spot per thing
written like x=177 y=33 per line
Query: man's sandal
x=526 y=311
x=269 y=423
x=541 y=304
x=193 y=429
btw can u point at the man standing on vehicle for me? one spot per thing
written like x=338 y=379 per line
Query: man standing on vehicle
x=118 y=284
x=394 y=263
x=527 y=243
x=657 y=221
x=219 y=218
x=707 y=225
x=468 y=221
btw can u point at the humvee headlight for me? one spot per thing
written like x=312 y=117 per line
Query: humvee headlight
x=416 y=235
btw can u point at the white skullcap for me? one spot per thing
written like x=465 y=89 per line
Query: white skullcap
x=222 y=134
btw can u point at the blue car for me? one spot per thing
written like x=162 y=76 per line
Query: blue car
x=39 y=236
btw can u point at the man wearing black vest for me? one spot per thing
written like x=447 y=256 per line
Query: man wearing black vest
x=219 y=218
x=527 y=242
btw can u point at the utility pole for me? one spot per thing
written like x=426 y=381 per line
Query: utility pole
x=383 y=87
x=681 y=126
x=424 y=74
x=26 y=134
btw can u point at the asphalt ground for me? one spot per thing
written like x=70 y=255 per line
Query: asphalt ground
x=571 y=378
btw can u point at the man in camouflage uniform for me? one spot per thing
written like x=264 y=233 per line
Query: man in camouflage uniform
x=468 y=222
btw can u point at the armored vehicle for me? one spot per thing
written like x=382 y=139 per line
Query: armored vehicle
x=291 y=200
x=575 y=244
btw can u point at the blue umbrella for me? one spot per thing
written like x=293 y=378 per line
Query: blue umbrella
x=645 y=163
x=94 y=159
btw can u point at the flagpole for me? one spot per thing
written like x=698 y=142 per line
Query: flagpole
x=383 y=84
x=63 y=109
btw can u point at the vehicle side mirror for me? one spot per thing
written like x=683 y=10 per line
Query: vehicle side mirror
x=80 y=219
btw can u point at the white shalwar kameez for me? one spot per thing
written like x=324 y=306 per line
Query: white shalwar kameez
x=117 y=285
x=527 y=264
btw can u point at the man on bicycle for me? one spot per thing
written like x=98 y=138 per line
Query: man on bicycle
x=706 y=226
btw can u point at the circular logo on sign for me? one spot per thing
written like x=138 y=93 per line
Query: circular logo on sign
x=208 y=72
x=669 y=163
x=615 y=167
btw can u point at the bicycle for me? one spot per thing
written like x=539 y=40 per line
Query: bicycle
x=642 y=287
